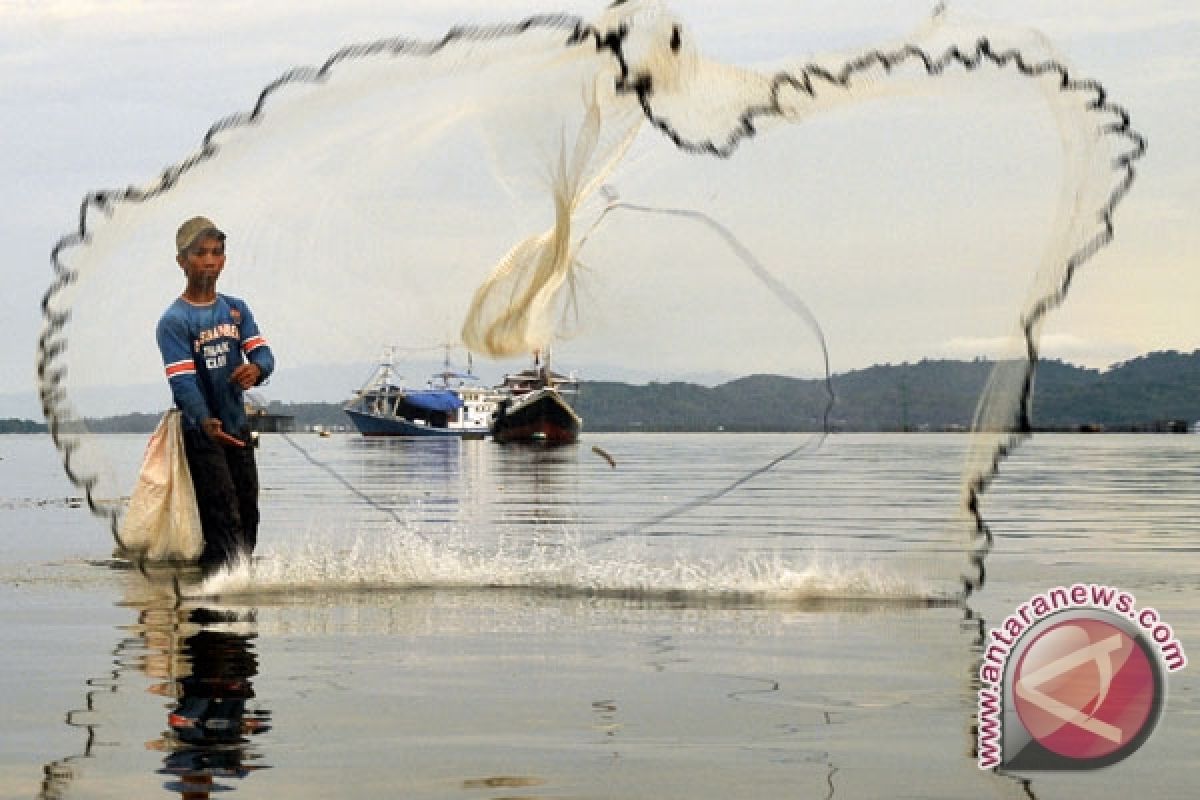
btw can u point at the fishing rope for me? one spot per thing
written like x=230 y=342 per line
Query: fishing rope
x=361 y=495
x=784 y=295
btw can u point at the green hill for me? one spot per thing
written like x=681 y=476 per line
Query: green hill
x=1146 y=393
x=1153 y=392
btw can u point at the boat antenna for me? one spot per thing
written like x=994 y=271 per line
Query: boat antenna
x=386 y=360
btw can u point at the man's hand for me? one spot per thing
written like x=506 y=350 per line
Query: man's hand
x=246 y=375
x=212 y=427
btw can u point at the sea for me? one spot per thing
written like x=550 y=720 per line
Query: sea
x=634 y=616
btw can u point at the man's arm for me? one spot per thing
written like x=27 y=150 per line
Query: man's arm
x=176 y=348
x=212 y=427
x=260 y=361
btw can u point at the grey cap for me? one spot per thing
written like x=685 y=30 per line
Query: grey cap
x=192 y=230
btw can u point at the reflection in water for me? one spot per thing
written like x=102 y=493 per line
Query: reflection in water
x=202 y=658
x=976 y=623
x=211 y=722
x=541 y=485
x=669 y=668
x=59 y=774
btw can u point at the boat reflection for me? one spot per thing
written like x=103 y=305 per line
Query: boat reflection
x=540 y=486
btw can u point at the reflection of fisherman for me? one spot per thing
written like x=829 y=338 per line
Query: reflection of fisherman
x=210 y=722
x=204 y=660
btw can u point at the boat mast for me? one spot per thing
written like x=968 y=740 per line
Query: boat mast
x=385 y=365
x=544 y=375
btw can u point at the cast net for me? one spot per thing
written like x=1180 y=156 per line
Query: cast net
x=603 y=189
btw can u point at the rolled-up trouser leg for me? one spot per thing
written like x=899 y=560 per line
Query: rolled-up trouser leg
x=216 y=497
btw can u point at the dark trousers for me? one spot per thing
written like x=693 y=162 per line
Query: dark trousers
x=226 y=481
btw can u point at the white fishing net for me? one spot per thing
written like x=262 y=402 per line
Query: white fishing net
x=600 y=186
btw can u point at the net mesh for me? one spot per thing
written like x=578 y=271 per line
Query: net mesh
x=604 y=188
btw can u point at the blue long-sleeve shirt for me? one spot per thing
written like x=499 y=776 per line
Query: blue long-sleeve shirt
x=201 y=346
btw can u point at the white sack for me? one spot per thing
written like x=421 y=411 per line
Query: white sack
x=163 y=522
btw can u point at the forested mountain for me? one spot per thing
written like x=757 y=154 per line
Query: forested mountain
x=10 y=425
x=929 y=395
x=1144 y=393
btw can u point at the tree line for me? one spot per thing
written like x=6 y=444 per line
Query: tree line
x=1158 y=391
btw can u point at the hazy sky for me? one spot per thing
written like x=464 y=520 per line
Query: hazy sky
x=103 y=94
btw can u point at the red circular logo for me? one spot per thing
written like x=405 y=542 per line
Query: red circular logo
x=1085 y=688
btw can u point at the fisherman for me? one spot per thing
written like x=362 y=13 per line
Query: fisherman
x=212 y=351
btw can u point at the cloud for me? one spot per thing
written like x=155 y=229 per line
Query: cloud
x=1073 y=349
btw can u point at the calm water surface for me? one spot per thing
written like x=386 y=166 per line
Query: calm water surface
x=467 y=620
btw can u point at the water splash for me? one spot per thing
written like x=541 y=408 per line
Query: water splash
x=402 y=562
